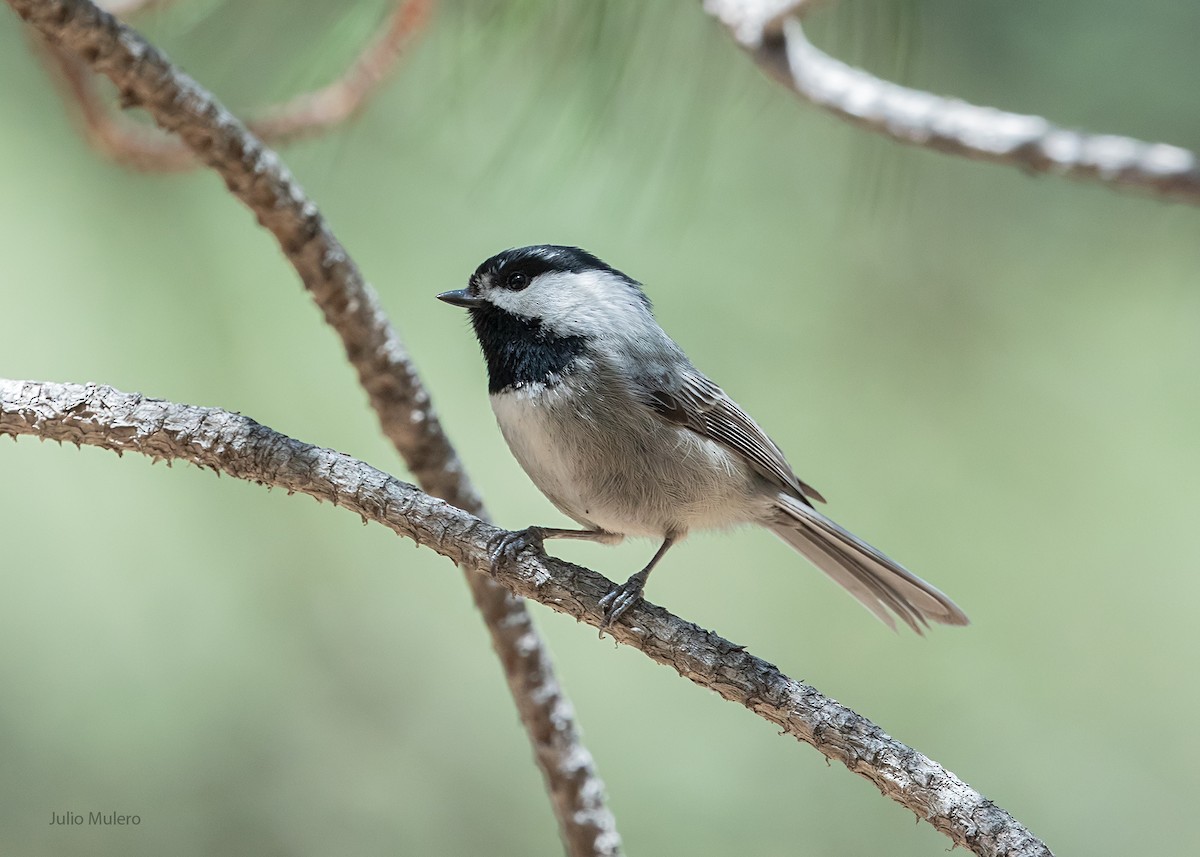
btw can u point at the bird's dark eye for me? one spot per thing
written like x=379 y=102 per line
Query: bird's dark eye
x=516 y=281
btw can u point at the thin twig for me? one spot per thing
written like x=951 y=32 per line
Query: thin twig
x=770 y=31
x=313 y=112
x=140 y=147
x=238 y=446
x=305 y=115
x=255 y=175
x=125 y=8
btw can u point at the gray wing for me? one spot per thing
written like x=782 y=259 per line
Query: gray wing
x=694 y=402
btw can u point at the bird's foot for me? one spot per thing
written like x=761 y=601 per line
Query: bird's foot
x=617 y=602
x=510 y=545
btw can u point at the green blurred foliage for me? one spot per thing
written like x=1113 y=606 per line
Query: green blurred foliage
x=991 y=376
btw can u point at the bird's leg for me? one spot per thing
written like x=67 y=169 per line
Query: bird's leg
x=630 y=592
x=511 y=544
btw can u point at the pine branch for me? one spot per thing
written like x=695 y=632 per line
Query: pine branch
x=238 y=446
x=770 y=31
x=256 y=176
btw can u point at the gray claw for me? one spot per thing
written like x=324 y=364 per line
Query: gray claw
x=618 y=602
x=510 y=545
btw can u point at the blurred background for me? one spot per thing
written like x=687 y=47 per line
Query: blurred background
x=991 y=376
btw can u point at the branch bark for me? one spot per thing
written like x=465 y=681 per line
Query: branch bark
x=770 y=31
x=238 y=446
x=256 y=176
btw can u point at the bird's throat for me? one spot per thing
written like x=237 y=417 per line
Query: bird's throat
x=520 y=351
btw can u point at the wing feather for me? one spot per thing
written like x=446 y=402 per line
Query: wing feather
x=694 y=402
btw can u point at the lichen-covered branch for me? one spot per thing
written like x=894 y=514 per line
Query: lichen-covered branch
x=238 y=446
x=770 y=31
x=255 y=175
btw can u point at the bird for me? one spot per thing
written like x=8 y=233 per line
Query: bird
x=615 y=426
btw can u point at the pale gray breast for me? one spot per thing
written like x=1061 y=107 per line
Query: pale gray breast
x=607 y=460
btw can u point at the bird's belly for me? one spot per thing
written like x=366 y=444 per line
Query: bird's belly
x=622 y=468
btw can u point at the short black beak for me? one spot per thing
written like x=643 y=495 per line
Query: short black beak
x=460 y=297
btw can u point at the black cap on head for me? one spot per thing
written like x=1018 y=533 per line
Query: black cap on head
x=543 y=259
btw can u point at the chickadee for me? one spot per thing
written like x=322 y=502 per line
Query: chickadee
x=623 y=434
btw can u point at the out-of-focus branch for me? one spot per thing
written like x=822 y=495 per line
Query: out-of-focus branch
x=141 y=147
x=770 y=31
x=255 y=175
x=305 y=115
x=314 y=112
x=236 y=445
x=125 y=8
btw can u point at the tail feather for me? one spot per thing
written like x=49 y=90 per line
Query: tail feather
x=878 y=582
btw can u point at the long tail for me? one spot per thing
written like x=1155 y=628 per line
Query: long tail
x=878 y=582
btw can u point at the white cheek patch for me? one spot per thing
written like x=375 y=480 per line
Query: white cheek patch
x=573 y=304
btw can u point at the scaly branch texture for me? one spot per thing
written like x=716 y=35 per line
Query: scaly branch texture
x=770 y=31
x=240 y=447
x=255 y=175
